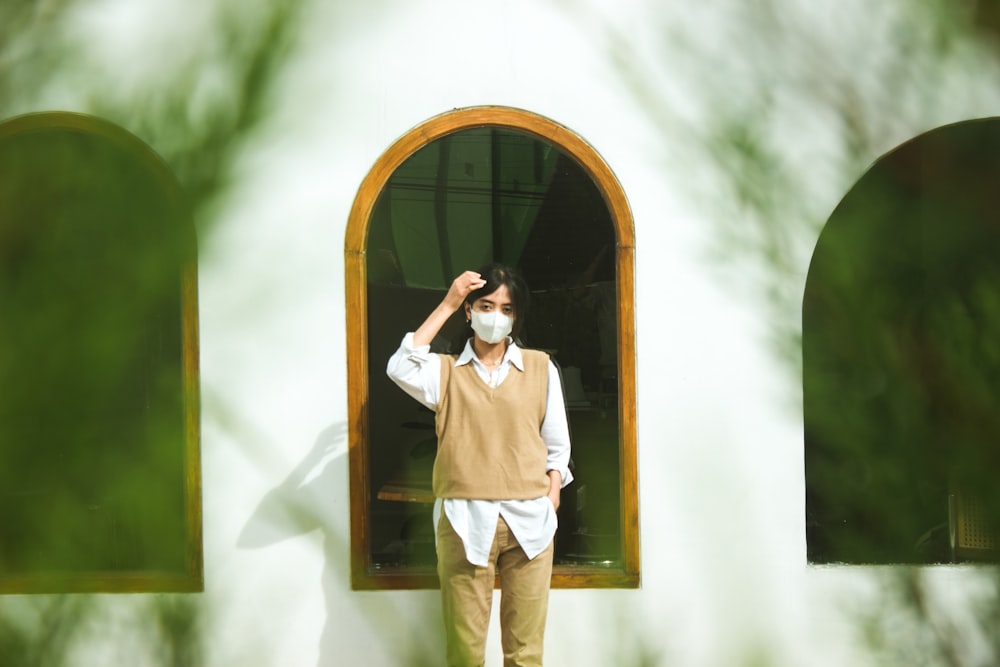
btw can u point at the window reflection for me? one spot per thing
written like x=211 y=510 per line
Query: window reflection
x=98 y=359
x=901 y=363
x=476 y=196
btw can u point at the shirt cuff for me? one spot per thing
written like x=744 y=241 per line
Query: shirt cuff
x=564 y=473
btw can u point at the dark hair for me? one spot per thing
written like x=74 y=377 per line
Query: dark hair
x=496 y=275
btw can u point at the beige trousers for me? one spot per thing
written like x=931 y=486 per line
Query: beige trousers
x=467 y=598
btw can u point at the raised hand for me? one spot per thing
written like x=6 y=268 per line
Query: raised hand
x=461 y=287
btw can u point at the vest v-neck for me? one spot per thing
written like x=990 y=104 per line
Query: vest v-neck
x=488 y=383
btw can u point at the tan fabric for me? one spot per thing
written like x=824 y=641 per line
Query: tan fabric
x=489 y=441
x=467 y=599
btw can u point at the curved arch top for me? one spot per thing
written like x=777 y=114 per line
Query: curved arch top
x=624 y=572
x=48 y=122
x=489 y=116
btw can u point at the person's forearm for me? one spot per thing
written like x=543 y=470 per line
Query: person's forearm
x=452 y=301
x=555 y=486
x=432 y=325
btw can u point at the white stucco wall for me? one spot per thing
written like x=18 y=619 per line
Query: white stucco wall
x=720 y=454
x=719 y=441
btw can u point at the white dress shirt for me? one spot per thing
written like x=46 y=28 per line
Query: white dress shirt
x=533 y=522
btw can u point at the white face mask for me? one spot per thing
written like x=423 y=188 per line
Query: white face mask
x=492 y=327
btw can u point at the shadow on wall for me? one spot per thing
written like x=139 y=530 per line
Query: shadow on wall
x=313 y=497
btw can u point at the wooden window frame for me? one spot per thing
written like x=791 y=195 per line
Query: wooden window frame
x=363 y=576
x=191 y=577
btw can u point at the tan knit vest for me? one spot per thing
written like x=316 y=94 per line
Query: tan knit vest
x=489 y=438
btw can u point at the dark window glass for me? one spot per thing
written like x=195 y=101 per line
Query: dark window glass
x=465 y=200
x=466 y=189
x=98 y=415
x=901 y=358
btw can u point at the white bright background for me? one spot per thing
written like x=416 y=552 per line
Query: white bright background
x=724 y=579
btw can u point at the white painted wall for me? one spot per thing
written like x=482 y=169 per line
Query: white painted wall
x=721 y=495
x=724 y=577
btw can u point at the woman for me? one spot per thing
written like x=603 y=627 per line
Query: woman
x=503 y=457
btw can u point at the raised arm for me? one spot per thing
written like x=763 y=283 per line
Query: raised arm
x=467 y=282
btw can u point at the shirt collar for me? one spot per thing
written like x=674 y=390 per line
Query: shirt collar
x=513 y=354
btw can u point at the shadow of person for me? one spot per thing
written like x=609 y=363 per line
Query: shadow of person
x=314 y=496
x=303 y=500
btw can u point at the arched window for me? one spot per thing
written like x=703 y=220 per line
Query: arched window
x=99 y=428
x=463 y=189
x=901 y=358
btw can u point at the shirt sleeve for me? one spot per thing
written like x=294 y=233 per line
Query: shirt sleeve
x=555 y=429
x=417 y=371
